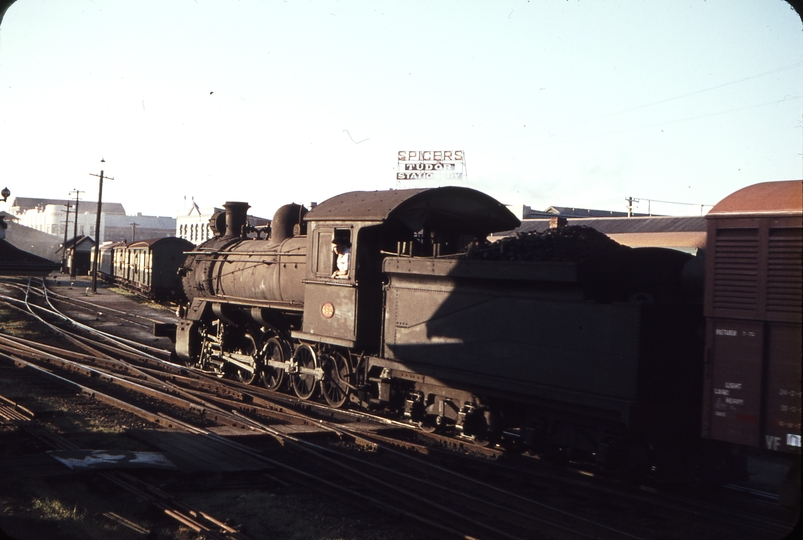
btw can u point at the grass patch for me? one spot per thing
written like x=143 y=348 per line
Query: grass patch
x=124 y=292
x=55 y=510
x=139 y=298
x=68 y=509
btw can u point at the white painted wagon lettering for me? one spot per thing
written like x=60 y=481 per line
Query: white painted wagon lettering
x=724 y=332
x=772 y=442
x=722 y=391
x=733 y=385
x=792 y=439
x=734 y=401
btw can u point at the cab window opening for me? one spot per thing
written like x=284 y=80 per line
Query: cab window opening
x=341 y=254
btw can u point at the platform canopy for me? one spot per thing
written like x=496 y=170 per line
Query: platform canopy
x=452 y=208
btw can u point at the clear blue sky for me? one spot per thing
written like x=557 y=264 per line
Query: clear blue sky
x=567 y=103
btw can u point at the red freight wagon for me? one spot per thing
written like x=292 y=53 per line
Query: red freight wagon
x=754 y=308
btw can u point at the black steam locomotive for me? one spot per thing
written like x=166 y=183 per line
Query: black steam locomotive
x=566 y=342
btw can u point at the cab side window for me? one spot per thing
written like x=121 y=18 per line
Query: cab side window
x=323 y=250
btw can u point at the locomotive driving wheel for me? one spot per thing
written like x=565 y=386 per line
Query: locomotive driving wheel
x=304 y=383
x=249 y=347
x=335 y=384
x=273 y=350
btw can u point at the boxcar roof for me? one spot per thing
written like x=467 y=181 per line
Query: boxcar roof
x=455 y=208
x=773 y=198
x=150 y=242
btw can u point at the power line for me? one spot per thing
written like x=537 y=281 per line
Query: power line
x=631 y=200
x=777 y=70
x=774 y=102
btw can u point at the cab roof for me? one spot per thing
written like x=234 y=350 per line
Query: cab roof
x=445 y=208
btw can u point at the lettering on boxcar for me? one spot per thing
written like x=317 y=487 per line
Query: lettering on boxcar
x=787 y=408
x=724 y=332
x=772 y=442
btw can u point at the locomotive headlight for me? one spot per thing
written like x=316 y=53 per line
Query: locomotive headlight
x=328 y=310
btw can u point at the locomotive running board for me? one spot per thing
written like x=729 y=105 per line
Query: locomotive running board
x=315 y=338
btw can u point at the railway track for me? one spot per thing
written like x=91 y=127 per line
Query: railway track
x=442 y=494
x=196 y=520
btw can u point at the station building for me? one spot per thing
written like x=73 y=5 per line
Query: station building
x=57 y=217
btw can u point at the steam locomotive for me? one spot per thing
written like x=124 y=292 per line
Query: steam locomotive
x=568 y=343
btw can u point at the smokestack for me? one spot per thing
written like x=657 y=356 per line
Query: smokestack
x=236 y=218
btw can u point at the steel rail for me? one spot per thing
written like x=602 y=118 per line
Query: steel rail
x=131 y=345
x=394 y=485
x=90 y=305
x=351 y=433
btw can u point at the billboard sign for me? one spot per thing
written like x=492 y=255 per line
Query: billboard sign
x=430 y=165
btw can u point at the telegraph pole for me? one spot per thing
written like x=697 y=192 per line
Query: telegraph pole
x=64 y=245
x=75 y=233
x=630 y=201
x=97 y=230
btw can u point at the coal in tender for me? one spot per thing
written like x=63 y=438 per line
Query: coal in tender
x=570 y=243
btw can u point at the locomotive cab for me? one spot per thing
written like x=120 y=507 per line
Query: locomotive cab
x=330 y=299
x=346 y=310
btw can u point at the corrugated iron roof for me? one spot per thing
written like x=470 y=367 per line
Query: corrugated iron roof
x=16 y=262
x=686 y=239
x=571 y=212
x=620 y=225
x=78 y=240
x=27 y=203
x=778 y=198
